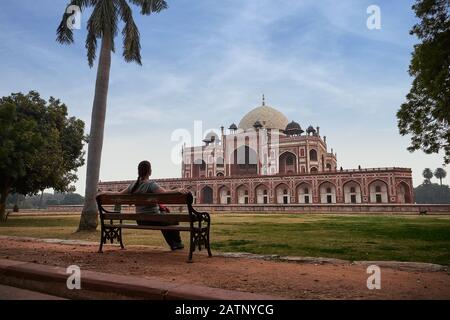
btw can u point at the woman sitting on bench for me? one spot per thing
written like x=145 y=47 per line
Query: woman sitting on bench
x=144 y=185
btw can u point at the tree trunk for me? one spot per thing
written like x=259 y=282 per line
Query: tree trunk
x=16 y=204
x=3 y=196
x=4 y=191
x=40 y=199
x=89 y=215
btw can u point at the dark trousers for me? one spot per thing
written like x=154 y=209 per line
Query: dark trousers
x=172 y=237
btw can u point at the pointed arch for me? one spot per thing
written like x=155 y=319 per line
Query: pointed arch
x=242 y=194
x=262 y=193
x=327 y=192
x=207 y=195
x=224 y=194
x=244 y=161
x=404 y=192
x=282 y=193
x=287 y=163
x=304 y=192
x=352 y=191
x=379 y=191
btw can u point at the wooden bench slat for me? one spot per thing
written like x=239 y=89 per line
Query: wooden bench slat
x=144 y=198
x=147 y=217
x=135 y=226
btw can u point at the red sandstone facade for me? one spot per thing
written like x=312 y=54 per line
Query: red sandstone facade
x=394 y=187
x=268 y=160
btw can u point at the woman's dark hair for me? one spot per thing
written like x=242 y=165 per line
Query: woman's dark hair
x=143 y=169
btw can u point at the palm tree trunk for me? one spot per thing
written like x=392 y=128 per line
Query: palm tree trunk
x=3 y=196
x=89 y=215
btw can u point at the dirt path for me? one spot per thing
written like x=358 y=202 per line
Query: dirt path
x=292 y=280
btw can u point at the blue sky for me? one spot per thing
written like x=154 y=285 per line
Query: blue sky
x=316 y=61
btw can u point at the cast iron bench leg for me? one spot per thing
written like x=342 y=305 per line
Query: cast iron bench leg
x=120 y=239
x=207 y=244
x=101 y=242
x=191 y=246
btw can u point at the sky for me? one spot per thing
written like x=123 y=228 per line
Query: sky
x=211 y=61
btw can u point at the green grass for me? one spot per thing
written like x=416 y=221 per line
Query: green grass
x=355 y=237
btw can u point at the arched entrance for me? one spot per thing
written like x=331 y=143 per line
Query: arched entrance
x=242 y=194
x=287 y=163
x=283 y=194
x=352 y=192
x=304 y=193
x=378 y=192
x=262 y=194
x=327 y=192
x=207 y=195
x=244 y=161
x=224 y=195
x=199 y=168
x=403 y=193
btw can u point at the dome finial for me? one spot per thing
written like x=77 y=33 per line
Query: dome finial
x=263 y=100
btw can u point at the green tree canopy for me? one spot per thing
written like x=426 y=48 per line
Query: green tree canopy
x=40 y=146
x=426 y=113
x=427 y=174
x=432 y=193
x=440 y=174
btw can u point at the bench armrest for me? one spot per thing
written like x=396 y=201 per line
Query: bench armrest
x=201 y=216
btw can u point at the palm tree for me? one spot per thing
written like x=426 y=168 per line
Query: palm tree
x=440 y=174
x=427 y=174
x=103 y=24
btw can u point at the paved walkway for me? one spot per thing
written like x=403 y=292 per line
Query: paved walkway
x=302 y=279
x=12 y=293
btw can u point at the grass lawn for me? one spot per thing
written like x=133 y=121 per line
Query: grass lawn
x=355 y=237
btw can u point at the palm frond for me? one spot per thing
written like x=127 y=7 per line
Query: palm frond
x=150 y=6
x=130 y=33
x=102 y=23
x=64 y=34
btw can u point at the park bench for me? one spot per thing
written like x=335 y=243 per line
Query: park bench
x=112 y=222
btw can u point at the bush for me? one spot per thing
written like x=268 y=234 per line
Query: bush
x=432 y=193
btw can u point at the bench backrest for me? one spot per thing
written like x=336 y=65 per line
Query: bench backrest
x=142 y=199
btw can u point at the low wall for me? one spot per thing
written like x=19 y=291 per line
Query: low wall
x=291 y=208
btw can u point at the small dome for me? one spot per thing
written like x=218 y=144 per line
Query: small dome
x=233 y=127
x=311 y=129
x=293 y=126
x=211 y=136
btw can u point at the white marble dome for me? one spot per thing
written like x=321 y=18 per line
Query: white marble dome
x=269 y=117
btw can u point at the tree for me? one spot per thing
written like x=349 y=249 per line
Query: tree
x=432 y=193
x=426 y=113
x=40 y=146
x=427 y=174
x=103 y=24
x=440 y=174
x=72 y=199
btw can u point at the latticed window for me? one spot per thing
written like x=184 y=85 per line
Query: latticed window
x=290 y=160
x=313 y=155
